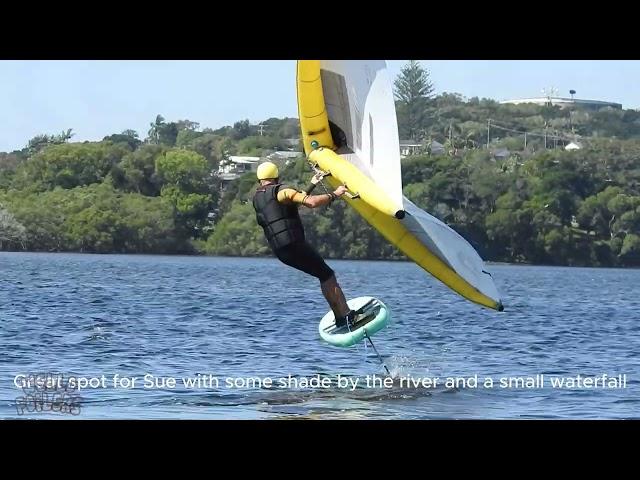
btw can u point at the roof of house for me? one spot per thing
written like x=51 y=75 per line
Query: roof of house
x=284 y=154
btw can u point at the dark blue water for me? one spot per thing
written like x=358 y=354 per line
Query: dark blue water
x=101 y=315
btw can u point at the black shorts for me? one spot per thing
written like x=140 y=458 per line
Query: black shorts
x=303 y=257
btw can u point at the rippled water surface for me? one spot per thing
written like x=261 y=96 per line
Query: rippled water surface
x=170 y=316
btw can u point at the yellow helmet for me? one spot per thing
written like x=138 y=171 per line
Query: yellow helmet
x=267 y=170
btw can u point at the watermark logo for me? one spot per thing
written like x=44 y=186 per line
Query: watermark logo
x=47 y=392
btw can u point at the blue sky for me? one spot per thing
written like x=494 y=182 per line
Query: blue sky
x=97 y=98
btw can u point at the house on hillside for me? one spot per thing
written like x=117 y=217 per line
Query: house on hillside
x=237 y=166
x=285 y=157
x=437 y=148
x=292 y=143
x=500 y=154
x=409 y=147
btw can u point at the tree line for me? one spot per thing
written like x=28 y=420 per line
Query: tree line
x=160 y=194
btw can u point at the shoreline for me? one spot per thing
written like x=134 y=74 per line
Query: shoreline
x=267 y=257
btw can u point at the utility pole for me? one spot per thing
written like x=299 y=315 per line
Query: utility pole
x=525 y=140
x=488 y=132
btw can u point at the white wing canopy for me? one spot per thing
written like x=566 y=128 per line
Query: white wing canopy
x=362 y=115
x=450 y=247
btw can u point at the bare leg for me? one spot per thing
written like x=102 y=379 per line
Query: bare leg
x=333 y=293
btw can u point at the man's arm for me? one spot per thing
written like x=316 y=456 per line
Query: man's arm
x=314 y=182
x=315 y=201
x=312 y=201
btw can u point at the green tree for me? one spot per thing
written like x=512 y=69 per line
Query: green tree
x=130 y=133
x=209 y=146
x=630 y=252
x=69 y=165
x=184 y=169
x=154 y=131
x=12 y=232
x=238 y=233
x=187 y=125
x=168 y=134
x=185 y=177
x=39 y=142
x=9 y=163
x=241 y=130
x=186 y=138
x=137 y=171
x=128 y=137
x=163 y=133
x=594 y=213
x=413 y=89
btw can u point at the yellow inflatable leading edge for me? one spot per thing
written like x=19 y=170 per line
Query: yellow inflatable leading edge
x=313 y=118
x=373 y=205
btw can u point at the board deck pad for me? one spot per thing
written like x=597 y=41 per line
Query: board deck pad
x=366 y=315
x=374 y=316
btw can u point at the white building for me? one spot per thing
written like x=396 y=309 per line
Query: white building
x=236 y=166
x=573 y=146
x=283 y=155
x=564 y=102
x=409 y=147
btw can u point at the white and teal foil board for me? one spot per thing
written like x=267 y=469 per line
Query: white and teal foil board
x=377 y=316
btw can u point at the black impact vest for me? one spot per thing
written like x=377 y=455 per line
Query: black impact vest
x=281 y=222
